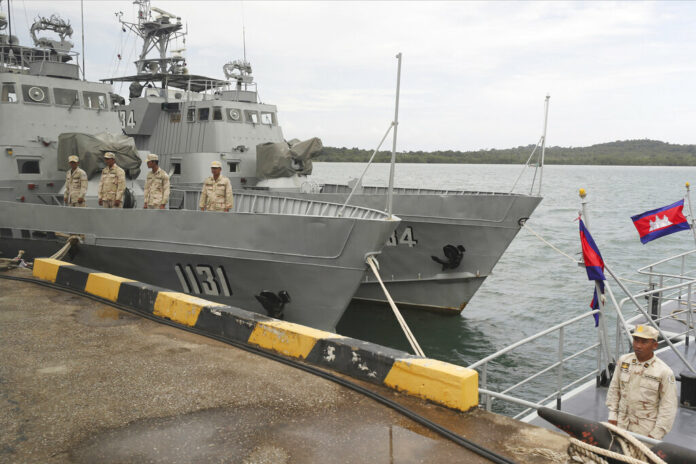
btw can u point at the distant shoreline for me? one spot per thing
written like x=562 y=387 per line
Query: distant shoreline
x=619 y=153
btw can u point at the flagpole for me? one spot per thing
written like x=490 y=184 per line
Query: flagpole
x=691 y=211
x=603 y=339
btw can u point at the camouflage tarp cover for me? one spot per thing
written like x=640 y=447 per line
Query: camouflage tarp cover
x=91 y=148
x=285 y=159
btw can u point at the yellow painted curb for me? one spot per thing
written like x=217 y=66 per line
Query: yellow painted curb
x=105 y=285
x=47 y=268
x=287 y=338
x=180 y=307
x=437 y=381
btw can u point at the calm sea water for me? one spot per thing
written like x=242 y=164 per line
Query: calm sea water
x=532 y=286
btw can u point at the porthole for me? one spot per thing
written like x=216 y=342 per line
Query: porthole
x=233 y=114
x=36 y=94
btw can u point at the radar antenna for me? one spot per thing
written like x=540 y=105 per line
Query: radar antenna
x=57 y=25
x=157 y=33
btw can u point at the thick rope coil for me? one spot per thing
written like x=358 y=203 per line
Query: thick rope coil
x=634 y=451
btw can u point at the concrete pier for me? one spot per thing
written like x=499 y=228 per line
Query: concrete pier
x=81 y=381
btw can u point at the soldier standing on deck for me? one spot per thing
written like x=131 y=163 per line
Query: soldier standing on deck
x=156 y=185
x=75 y=184
x=642 y=397
x=112 y=183
x=217 y=191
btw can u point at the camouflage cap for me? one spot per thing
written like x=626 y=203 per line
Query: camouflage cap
x=152 y=157
x=108 y=154
x=645 y=331
x=73 y=159
x=215 y=164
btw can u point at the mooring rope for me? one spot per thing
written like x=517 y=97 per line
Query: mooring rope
x=60 y=254
x=409 y=335
x=634 y=451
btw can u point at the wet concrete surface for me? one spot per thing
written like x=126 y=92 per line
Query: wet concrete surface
x=83 y=382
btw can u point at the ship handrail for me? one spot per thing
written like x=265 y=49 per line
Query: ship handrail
x=265 y=204
x=376 y=189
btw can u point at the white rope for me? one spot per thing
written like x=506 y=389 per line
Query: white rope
x=60 y=254
x=526 y=226
x=409 y=335
x=634 y=451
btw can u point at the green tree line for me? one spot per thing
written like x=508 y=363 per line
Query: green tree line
x=626 y=152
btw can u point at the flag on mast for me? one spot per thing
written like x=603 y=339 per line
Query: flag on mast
x=659 y=222
x=594 y=265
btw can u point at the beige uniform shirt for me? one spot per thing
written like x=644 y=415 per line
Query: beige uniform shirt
x=216 y=194
x=75 y=186
x=156 y=189
x=112 y=183
x=642 y=397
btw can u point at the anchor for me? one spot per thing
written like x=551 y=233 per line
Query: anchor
x=272 y=303
x=453 y=257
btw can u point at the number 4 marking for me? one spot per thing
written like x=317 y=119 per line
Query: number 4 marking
x=407 y=238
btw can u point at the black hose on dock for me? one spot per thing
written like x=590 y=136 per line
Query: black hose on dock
x=450 y=435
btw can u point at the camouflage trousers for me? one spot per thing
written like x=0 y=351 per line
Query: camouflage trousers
x=111 y=204
x=75 y=204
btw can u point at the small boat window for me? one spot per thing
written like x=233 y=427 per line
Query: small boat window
x=9 y=93
x=268 y=118
x=234 y=115
x=176 y=168
x=191 y=115
x=94 y=100
x=251 y=117
x=35 y=94
x=233 y=165
x=25 y=166
x=217 y=113
x=65 y=97
x=203 y=114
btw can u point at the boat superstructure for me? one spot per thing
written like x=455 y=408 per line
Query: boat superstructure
x=448 y=242
x=42 y=95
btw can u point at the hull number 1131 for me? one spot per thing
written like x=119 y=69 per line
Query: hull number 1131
x=201 y=280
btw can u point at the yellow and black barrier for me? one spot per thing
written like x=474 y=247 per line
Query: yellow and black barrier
x=443 y=383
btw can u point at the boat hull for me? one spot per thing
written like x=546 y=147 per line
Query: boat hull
x=484 y=224
x=224 y=257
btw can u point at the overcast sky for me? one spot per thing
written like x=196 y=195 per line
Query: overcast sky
x=474 y=75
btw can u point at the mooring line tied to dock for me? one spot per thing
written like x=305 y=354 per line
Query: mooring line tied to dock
x=374 y=265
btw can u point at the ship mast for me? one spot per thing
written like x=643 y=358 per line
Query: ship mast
x=156 y=34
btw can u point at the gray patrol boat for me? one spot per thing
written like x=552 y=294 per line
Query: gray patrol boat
x=296 y=259
x=448 y=241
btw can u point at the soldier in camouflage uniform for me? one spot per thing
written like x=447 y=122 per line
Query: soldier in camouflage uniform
x=642 y=397
x=217 y=191
x=156 y=185
x=75 y=184
x=112 y=183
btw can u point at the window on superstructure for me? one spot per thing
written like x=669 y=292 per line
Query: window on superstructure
x=9 y=93
x=233 y=165
x=217 y=113
x=234 y=115
x=203 y=114
x=251 y=117
x=191 y=115
x=25 y=166
x=35 y=94
x=176 y=168
x=65 y=97
x=94 y=100
x=268 y=118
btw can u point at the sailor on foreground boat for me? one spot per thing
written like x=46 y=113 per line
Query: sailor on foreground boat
x=216 y=194
x=112 y=184
x=75 y=184
x=642 y=397
x=156 y=185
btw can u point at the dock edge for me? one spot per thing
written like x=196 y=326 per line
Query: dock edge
x=452 y=386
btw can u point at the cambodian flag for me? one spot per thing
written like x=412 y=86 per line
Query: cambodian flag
x=659 y=222
x=594 y=265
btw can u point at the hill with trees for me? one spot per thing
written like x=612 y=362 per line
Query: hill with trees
x=627 y=152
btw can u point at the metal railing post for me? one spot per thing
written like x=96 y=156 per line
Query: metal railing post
x=689 y=318
x=559 y=391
